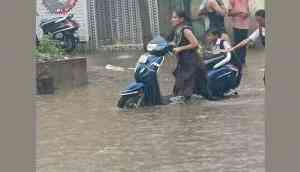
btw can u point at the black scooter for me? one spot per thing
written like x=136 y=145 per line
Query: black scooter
x=63 y=29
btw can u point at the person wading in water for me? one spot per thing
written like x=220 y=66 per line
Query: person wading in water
x=186 y=45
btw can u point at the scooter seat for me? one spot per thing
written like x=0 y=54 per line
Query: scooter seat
x=210 y=62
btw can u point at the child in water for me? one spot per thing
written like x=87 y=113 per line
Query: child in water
x=214 y=37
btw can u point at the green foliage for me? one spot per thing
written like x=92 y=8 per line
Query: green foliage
x=48 y=49
x=35 y=53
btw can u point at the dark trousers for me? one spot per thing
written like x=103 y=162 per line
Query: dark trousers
x=239 y=35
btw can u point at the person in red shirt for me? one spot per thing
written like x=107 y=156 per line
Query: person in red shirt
x=239 y=11
x=259 y=33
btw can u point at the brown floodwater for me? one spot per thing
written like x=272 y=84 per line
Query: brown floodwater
x=82 y=130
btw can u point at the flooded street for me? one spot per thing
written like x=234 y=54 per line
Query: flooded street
x=82 y=130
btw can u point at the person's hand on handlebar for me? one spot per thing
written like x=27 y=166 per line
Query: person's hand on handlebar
x=177 y=50
x=171 y=44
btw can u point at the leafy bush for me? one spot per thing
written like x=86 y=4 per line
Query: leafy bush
x=48 y=49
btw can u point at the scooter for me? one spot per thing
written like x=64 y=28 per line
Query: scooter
x=63 y=29
x=145 y=90
x=219 y=81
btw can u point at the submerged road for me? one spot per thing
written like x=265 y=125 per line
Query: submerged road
x=82 y=130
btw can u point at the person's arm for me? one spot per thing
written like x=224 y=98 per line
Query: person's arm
x=239 y=45
x=222 y=5
x=234 y=13
x=214 y=5
x=202 y=12
x=243 y=43
x=202 y=9
x=193 y=42
x=227 y=58
x=231 y=12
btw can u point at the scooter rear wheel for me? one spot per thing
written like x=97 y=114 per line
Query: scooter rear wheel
x=130 y=101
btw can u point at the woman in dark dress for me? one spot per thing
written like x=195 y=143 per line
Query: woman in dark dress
x=185 y=50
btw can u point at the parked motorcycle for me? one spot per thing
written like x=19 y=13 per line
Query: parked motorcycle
x=145 y=90
x=64 y=29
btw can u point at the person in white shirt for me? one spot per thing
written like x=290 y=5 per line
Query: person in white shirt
x=260 y=32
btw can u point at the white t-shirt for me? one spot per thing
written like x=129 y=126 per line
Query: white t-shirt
x=255 y=35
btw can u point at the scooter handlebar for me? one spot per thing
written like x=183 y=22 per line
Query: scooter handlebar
x=171 y=46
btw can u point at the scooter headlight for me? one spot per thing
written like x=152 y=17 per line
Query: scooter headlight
x=154 y=47
x=151 y=47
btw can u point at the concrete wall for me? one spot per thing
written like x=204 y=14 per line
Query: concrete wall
x=67 y=74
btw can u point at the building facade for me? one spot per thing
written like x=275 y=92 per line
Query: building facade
x=80 y=15
x=108 y=22
x=120 y=21
x=126 y=22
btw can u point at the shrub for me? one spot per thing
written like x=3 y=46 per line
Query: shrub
x=48 y=49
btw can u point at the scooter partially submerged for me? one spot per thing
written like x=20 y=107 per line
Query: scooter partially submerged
x=220 y=81
x=145 y=90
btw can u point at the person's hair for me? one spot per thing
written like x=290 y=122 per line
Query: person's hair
x=260 y=13
x=214 y=31
x=182 y=14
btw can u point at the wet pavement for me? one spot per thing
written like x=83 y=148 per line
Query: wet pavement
x=82 y=130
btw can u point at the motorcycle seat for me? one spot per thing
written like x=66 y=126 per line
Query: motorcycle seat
x=50 y=20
